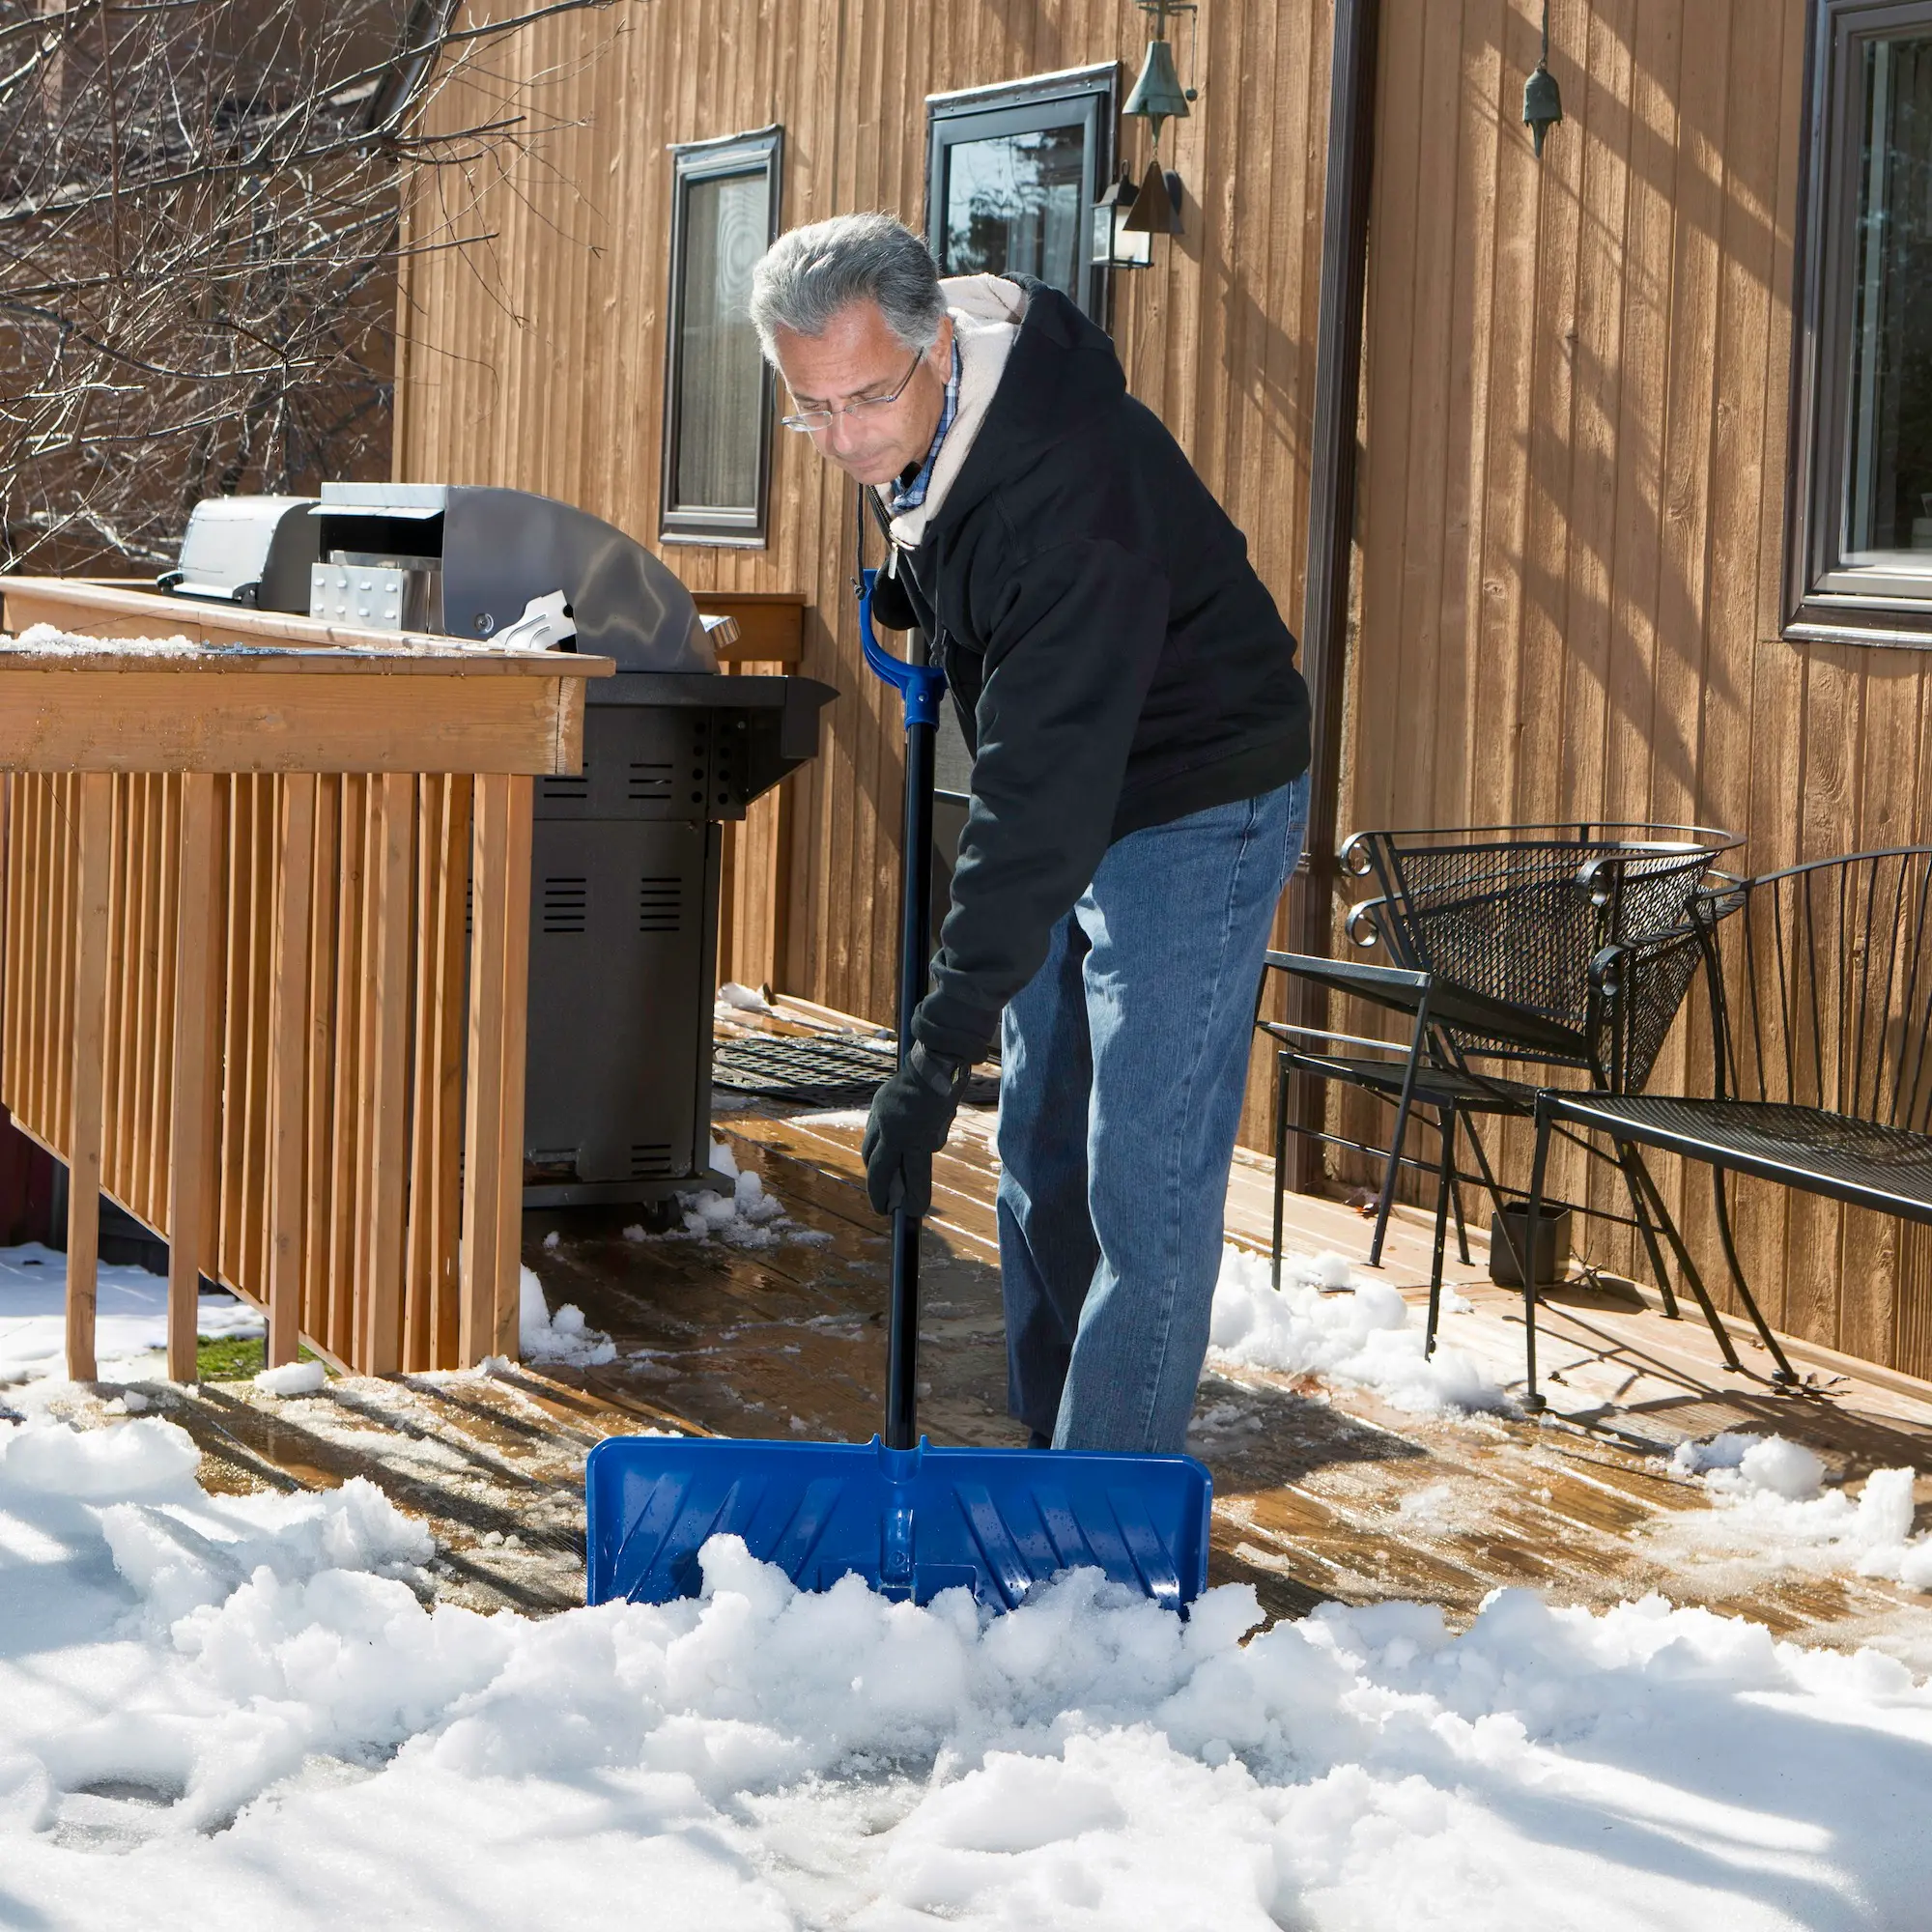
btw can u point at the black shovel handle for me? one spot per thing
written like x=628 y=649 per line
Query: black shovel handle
x=915 y=951
x=921 y=687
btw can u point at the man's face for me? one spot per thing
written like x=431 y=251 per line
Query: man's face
x=859 y=357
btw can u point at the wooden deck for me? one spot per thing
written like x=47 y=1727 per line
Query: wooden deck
x=1320 y=1492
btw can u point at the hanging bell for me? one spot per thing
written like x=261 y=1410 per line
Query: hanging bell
x=1542 y=105
x=1158 y=94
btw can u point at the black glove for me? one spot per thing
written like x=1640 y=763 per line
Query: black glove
x=912 y=1114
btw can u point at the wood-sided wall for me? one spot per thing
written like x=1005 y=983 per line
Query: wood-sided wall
x=536 y=359
x=1569 y=522
x=1572 y=531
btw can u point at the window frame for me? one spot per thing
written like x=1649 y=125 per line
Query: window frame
x=1825 y=599
x=758 y=151
x=1021 y=107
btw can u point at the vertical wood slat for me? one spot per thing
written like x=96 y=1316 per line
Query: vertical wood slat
x=345 y=1164
x=200 y=979
x=386 y=1099
x=94 y=909
x=325 y=917
x=509 y=1195
x=492 y=1138
x=287 y=1064
x=431 y=1321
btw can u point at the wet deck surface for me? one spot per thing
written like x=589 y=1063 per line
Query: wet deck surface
x=1320 y=1492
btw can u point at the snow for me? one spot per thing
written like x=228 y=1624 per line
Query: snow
x=56 y=643
x=733 y=998
x=563 y=1337
x=292 y=1379
x=1771 y=1504
x=747 y=1216
x=1326 y=1320
x=131 y=1317
x=237 y=1712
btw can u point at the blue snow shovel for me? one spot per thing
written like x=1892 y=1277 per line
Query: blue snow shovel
x=910 y=1520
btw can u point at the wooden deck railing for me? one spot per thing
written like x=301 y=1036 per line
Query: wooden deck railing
x=242 y=994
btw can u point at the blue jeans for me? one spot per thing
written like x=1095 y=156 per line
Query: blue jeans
x=1125 y=1060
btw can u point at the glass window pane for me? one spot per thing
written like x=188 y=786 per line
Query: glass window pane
x=1013 y=203
x=1888 y=480
x=719 y=377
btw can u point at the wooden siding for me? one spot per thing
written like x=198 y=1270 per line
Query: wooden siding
x=1576 y=371
x=536 y=358
x=1572 y=534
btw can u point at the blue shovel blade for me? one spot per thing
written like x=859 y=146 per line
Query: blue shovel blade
x=911 y=1522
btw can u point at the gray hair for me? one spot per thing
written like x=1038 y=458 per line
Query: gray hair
x=810 y=275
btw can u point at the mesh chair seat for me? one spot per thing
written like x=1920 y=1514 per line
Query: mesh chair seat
x=1861 y=1161
x=1435 y=1086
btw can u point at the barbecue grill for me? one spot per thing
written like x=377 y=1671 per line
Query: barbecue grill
x=625 y=858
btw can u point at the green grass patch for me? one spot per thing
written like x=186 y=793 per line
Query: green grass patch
x=233 y=1358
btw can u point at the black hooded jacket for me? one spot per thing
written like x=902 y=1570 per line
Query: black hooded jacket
x=1115 y=659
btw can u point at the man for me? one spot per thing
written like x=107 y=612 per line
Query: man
x=1140 y=747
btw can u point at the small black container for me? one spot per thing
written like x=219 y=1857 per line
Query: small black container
x=1551 y=1260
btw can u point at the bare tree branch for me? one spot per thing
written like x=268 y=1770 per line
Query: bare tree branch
x=200 y=227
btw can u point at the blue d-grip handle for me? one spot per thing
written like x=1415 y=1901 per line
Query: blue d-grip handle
x=920 y=686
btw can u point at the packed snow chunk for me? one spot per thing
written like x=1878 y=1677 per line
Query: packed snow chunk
x=292 y=1379
x=1367 y=1336
x=1772 y=1505
x=746 y=1218
x=562 y=1337
x=183 y=1553
x=146 y=1456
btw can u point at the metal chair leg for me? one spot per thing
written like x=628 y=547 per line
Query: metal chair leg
x=1444 y=1186
x=1456 y=1197
x=1629 y=1159
x=1280 y=1163
x=1785 y=1376
x=1494 y=1189
x=1532 y=1401
x=1667 y=1222
x=1417 y=1038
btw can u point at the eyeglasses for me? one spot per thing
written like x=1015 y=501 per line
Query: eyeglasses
x=807 y=420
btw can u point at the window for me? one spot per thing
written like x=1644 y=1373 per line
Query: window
x=1860 y=526
x=1012 y=175
x=718 y=391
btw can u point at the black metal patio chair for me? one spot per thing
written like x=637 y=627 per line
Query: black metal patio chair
x=1820 y=985
x=1491 y=933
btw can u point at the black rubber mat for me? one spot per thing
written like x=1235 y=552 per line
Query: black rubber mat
x=822 y=1071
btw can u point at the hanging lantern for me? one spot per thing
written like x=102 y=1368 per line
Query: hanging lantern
x=1117 y=243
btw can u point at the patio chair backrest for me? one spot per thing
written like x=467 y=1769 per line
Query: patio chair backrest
x=1821 y=986
x=1521 y=912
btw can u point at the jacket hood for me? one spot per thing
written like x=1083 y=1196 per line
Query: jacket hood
x=987 y=312
x=1060 y=372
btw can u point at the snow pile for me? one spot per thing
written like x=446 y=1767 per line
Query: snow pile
x=733 y=998
x=563 y=1337
x=1773 y=1503
x=292 y=1379
x=1326 y=1321
x=131 y=1317
x=747 y=1217
x=246 y=1697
